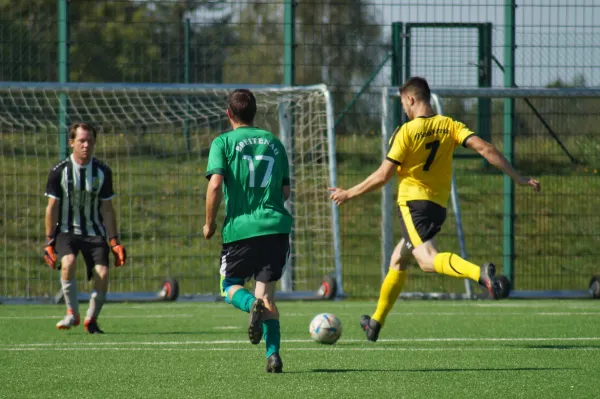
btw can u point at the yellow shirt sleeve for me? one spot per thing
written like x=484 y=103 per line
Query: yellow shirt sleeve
x=398 y=145
x=461 y=133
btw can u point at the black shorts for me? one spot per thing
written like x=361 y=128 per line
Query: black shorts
x=421 y=221
x=93 y=248
x=262 y=257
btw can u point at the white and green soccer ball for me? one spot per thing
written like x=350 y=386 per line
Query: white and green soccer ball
x=325 y=328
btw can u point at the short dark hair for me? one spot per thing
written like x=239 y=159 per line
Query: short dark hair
x=418 y=88
x=85 y=126
x=242 y=105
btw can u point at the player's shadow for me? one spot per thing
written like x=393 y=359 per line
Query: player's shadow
x=167 y=333
x=559 y=347
x=438 y=370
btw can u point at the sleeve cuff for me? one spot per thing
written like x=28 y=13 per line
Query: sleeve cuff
x=51 y=196
x=286 y=181
x=393 y=161
x=216 y=171
x=464 y=143
x=107 y=198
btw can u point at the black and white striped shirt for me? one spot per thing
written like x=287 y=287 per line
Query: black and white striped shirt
x=80 y=190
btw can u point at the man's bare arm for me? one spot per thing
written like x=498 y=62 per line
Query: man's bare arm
x=51 y=218
x=494 y=157
x=286 y=192
x=110 y=218
x=377 y=179
x=214 y=195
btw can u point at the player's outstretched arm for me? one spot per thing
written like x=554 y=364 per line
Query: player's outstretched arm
x=376 y=180
x=214 y=195
x=494 y=157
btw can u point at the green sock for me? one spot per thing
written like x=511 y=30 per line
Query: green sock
x=272 y=336
x=242 y=299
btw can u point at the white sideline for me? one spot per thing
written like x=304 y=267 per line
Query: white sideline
x=468 y=314
x=228 y=342
x=320 y=348
x=339 y=314
x=133 y=316
x=369 y=304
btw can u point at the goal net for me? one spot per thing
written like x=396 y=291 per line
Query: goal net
x=545 y=243
x=156 y=139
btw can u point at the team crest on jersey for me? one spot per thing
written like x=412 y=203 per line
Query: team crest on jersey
x=96 y=182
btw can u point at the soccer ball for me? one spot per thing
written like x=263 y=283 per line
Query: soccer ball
x=325 y=328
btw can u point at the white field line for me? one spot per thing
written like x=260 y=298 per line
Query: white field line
x=321 y=348
x=133 y=316
x=545 y=304
x=346 y=305
x=467 y=314
x=173 y=305
x=229 y=342
x=339 y=314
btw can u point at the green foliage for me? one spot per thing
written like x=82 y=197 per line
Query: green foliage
x=577 y=81
x=337 y=43
x=115 y=41
x=28 y=40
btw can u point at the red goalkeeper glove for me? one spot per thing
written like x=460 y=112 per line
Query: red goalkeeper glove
x=49 y=253
x=118 y=250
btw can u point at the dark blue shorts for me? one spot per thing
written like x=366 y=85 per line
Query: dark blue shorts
x=262 y=257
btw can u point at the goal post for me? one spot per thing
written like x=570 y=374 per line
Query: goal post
x=156 y=139
x=555 y=138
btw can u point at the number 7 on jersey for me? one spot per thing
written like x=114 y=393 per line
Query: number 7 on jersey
x=252 y=169
x=433 y=147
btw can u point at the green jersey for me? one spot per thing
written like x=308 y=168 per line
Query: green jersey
x=255 y=168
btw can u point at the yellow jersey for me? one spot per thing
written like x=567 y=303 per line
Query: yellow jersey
x=423 y=150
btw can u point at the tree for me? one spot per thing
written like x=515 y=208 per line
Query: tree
x=29 y=40
x=113 y=41
x=337 y=43
x=144 y=41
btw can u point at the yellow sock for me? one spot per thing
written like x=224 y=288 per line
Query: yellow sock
x=453 y=265
x=390 y=289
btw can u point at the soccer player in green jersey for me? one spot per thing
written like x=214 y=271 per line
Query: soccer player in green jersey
x=249 y=167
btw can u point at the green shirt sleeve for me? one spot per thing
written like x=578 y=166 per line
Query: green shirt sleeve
x=217 y=161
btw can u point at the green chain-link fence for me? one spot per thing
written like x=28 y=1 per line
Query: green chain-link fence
x=341 y=44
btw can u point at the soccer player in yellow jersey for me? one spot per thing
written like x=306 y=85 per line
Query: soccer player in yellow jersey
x=421 y=155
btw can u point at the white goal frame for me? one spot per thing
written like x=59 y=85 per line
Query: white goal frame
x=283 y=93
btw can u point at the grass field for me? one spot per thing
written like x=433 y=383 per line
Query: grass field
x=474 y=349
